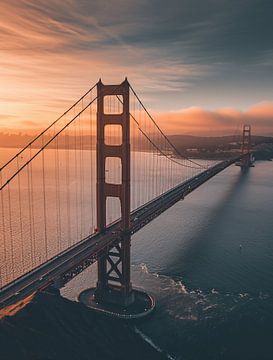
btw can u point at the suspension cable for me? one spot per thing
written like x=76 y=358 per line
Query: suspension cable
x=162 y=133
x=45 y=130
x=157 y=147
x=47 y=143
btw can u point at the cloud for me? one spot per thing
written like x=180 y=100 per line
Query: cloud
x=198 y=121
x=193 y=121
x=53 y=51
x=5 y=116
x=189 y=52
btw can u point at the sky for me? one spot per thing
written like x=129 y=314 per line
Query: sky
x=200 y=66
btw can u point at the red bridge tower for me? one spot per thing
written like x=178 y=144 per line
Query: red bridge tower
x=246 y=148
x=114 y=294
x=114 y=283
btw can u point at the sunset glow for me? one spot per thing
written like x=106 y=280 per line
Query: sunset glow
x=136 y=167
x=51 y=52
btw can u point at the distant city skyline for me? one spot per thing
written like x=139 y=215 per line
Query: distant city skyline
x=201 y=67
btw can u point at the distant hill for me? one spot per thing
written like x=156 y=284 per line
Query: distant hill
x=188 y=145
x=189 y=141
x=221 y=146
x=14 y=140
x=21 y=140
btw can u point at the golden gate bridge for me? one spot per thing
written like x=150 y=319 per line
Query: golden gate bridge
x=79 y=190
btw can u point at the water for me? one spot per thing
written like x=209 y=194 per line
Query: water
x=209 y=262
x=51 y=204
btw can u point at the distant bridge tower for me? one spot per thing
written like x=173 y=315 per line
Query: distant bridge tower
x=246 y=147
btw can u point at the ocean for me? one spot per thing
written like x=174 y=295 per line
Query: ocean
x=209 y=263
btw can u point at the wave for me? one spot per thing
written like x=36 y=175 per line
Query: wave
x=150 y=341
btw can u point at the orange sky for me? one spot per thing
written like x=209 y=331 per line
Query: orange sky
x=192 y=121
x=198 y=121
x=52 y=52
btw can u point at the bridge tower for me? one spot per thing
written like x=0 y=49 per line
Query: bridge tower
x=114 y=284
x=246 y=147
x=114 y=294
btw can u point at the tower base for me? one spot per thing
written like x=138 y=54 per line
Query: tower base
x=142 y=304
x=113 y=295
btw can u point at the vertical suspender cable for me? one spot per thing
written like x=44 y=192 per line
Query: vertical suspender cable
x=4 y=233
x=33 y=250
x=44 y=201
x=91 y=166
x=30 y=214
x=20 y=216
x=11 y=233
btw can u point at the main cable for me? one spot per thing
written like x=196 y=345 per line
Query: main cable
x=162 y=133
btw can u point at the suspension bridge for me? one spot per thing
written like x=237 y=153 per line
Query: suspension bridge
x=79 y=190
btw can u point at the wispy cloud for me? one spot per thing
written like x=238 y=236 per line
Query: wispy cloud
x=52 y=51
x=224 y=121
